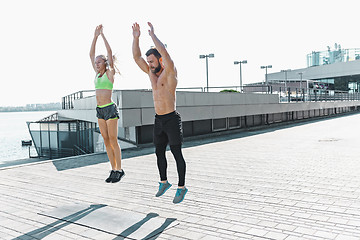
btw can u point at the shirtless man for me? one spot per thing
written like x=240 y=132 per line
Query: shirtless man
x=167 y=127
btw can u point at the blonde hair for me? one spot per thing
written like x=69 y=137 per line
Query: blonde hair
x=103 y=57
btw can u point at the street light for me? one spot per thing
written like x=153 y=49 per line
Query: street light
x=240 y=62
x=211 y=55
x=301 y=74
x=266 y=68
x=286 y=71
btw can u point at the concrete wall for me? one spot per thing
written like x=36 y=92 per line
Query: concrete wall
x=204 y=113
x=136 y=108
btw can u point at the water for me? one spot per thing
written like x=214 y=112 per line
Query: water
x=13 y=129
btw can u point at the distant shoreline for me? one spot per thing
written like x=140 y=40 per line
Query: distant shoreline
x=32 y=107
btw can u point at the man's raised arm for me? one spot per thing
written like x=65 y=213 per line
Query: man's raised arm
x=136 y=49
x=166 y=59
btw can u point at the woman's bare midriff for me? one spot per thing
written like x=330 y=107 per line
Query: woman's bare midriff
x=103 y=96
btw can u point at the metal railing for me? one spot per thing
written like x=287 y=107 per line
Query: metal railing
x=80 y=151
x=68 y=101
x=286 y=94
x=300 y=95
x=51 y=153
x=192 y=88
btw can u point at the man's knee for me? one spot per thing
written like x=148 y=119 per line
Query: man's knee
x=160 y=149
x=175 y=149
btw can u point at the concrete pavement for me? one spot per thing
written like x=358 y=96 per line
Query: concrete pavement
x=298 y=181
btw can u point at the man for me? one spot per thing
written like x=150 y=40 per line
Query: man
x=167 y=127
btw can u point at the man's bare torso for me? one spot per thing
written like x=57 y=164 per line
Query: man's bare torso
x=163 y=93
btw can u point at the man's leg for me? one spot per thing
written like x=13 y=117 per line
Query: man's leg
x=164 y=185
x=180 y=164
x=175 y=134
x=181 y=169
x=160 y=150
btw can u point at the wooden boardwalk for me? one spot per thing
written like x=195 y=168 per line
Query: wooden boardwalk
x=297 y=181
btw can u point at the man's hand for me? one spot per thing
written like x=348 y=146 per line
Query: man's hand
x=98 y=30
x=151 y=31
x=136 y=30
x=102 y=30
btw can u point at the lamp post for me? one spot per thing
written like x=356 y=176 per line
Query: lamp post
x=266 y=68
x=301 y=74
x=286 y=71
x=240 y=62
x=211 y=55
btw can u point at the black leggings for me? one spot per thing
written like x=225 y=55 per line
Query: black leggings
x=162 y=162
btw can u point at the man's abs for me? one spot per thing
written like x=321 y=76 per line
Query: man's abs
x=164 y=103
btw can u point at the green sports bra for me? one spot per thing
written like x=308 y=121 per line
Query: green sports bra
x=103 y=82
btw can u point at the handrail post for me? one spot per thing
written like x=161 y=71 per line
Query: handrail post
x=302 y=94
x=288 y=92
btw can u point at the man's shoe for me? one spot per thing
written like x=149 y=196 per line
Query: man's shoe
x=119 y=174
x=163 y=187
x=180 y=194
x=109 y=179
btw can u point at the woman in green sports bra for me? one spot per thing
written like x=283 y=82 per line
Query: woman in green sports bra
x=107 y=112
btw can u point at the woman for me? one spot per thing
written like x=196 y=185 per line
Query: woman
x=107 y=112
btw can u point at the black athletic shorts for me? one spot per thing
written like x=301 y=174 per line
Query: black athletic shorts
x=107 y=112
x=168 y=129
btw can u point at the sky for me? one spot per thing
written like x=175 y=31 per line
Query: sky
x=45 y=43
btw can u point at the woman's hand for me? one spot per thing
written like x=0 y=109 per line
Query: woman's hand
x=98 y=30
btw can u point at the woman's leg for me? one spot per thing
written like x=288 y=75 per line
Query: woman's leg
x=112 y=130
x=109 y=150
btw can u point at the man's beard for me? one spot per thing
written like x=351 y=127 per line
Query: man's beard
x=157 y=69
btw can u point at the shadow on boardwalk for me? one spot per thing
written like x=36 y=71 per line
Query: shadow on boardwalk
x=61 y=223
x=50 y=228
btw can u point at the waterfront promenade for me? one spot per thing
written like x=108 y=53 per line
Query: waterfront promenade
x=298 y=181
